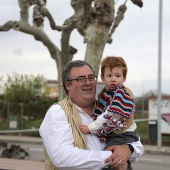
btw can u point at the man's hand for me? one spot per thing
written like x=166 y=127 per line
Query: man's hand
x=120 y=155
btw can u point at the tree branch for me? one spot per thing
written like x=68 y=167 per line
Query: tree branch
x=7 y=26
x=53 y=25
x=24 y=5
x=120 y=15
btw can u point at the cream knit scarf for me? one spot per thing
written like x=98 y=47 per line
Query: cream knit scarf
x=75 y=121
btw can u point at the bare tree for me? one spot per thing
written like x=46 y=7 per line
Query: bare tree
x=95 y=20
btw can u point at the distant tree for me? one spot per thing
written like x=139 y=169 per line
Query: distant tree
x=95 y=20
x=24 y=88
x=141 y=104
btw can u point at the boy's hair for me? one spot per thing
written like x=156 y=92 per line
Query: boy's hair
x=112 y=62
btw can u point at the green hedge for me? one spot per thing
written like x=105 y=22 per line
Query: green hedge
x=33 y=110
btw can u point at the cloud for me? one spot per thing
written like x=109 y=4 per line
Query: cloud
x=18 y=52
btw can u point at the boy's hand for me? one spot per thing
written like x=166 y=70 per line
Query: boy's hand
x=84 y=129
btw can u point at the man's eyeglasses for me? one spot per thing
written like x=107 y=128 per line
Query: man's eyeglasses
x=83 y=79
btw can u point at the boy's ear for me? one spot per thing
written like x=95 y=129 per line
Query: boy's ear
x=124 y=79
x=101 y=75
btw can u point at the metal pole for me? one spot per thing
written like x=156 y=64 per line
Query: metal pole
x=159 y=136
x=143 y=99
x=22 y=110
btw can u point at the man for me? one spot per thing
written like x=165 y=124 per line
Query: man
x=66 y=147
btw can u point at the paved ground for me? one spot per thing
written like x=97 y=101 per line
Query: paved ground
x=13 y=164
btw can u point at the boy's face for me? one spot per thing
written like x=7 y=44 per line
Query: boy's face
x=113 y=77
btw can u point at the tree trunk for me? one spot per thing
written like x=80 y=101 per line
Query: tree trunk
x=97 y=34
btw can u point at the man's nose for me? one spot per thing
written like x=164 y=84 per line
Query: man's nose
x=87 y=81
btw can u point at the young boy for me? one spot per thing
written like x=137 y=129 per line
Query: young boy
x=114 y=112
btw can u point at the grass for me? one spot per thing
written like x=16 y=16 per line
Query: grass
x=33 y=123
x=30 y=124
x=145 y=134
x=142 y=127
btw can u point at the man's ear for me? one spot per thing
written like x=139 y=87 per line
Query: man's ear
x=67 y=85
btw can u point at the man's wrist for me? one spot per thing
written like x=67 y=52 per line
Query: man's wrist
x=131 y=148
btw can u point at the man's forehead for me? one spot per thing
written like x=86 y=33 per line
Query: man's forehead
x=81 y=71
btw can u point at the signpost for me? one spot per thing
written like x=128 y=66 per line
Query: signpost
x=163 y=117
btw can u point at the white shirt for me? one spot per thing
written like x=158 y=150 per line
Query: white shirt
x=58 y=140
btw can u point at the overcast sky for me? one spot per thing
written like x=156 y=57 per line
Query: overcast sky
x=136 y=40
